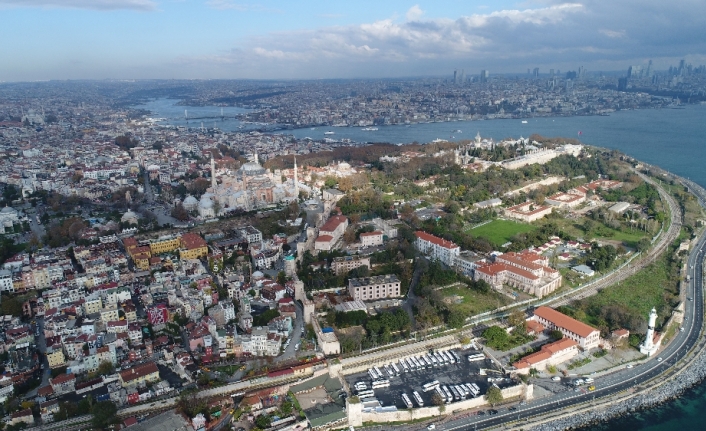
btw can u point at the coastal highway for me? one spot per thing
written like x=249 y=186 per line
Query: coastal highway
x=623 y=379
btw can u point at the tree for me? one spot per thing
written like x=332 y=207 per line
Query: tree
x=455 y=319
x=495 y=336
x=464 y=340
x=436 y=399
x=516 y=318
x=180 y=213
x=104 y=414
x=263 y=422
x=105 y=368
x=556 y=334
x=494 y=395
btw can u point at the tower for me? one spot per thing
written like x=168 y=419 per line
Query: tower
x=213 y=173
x=296 y=179
x=649 y=346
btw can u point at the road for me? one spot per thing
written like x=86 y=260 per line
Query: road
x=621 y=379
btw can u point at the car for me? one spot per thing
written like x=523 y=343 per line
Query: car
x=689 y=299
x=431 y=427
x=492 y=412
x=512 y=409
x=681 y=329
x=591 y=388
x=481 y=413
x=576 y=389
x=659 y=359
x=628 y=366
x=523 y=402
x=556 y=379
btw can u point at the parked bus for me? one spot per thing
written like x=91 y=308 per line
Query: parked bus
x=418 y=398
x=389 y=371
x=430 y=386
x=381 y=384
x=406 y=400
x=361 y=386
x=426 y=361
x=405 y=367
x=440 y=358
x=455 y=355
x=394 y=367
x=366 y=394
x=448 y=393
x=433 y=361
x=442 y=395
x=476 y=357
x=379 y=373
x=448 y=357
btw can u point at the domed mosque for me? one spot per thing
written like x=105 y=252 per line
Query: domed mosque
x=129 y=217
x=251 y=187
x=8 y=217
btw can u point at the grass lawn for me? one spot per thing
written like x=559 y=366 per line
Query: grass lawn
x=651 y=287
x=472 y=302
x=574 y=228
x=501 y=231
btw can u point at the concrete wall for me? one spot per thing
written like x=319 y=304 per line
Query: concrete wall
x=356 y=415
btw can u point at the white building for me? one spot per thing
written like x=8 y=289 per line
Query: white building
x=371 y=238
x=437 y=248
x=6 y=281
x=373 y=288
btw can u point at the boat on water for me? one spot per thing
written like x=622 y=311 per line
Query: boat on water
x=313 y=128
x=458 y=131
x=329 y=133
x=524 y=121
x=369 y=129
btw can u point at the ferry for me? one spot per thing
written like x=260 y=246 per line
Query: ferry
x=524 y=121
x=329 y=133
x=369 y=129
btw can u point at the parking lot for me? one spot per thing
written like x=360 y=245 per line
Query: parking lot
x=463 y=372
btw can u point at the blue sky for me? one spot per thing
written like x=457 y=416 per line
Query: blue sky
x=136 y=39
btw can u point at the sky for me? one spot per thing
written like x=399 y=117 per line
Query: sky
x=308 y=39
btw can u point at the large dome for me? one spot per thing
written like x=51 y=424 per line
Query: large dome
x=153 y=168
x=8 y=210
x=190 y=200
x=129 y=216
x=206 y=203
x=252 y=168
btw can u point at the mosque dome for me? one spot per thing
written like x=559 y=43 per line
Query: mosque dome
x=129 y=217
x=258 y=274
x=153 y=167
x=190 y=200
x=205 y=203
x=8 y=210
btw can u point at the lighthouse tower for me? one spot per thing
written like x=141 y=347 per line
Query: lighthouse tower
x=649 y=346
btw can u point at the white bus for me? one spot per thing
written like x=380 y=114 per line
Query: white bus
x=405 y=367
x=366 y=394
x=426 y=361
x=476 y=357
x=361 y=386
x=433 y=360
x=440 y=358
x=449 y=357
x=430 y=386
x=448 y=393
x=442 y=395
x=378 y=372
x=389 y=371
x=406 y=400
x=394 y=367
x=418 y=398
x=381 y=384
x=475 y=390
x=455 y=355
x=416 y=363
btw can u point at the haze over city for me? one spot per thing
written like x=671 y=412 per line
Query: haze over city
x=141 y=39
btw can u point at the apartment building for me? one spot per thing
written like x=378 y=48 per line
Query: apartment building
x=341 y=265
x=373 y=288
x=371 y=238
x=437 y=248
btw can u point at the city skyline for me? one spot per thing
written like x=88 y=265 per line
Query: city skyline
x=224 y=39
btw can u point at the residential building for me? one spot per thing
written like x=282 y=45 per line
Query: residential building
x=565 y=200
x=373 y=288
x=165 y=244
x=437 y=248
x=371 y=238
x=139 y=374
x=343 y=264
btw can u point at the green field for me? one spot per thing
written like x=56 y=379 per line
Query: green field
x=501 y=231
x=472 y=302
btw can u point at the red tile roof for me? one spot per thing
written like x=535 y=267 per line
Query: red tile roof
x=435 y=240
x=191 y=241
x=375 y=233
x=138 y=371
x=333 y=223
x=563 y=321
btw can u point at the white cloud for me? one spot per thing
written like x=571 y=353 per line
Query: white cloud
x=414 y=13
x=556 y=34
x=139 y=5
x=240 y=7
x=612 y=33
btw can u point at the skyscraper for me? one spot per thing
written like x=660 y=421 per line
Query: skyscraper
x=484 y=75
x=536 y=72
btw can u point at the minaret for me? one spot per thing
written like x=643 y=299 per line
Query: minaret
x=296 y=179
x=256 y=159
x=213 y=173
